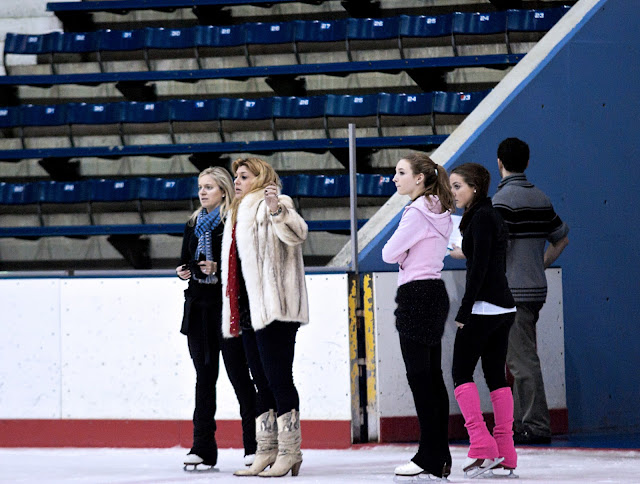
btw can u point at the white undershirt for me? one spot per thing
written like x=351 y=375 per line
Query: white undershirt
x=484 y=308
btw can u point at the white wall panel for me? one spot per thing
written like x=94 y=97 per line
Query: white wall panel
x=30 y=349
x=394 y=397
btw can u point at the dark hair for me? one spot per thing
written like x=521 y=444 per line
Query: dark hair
x=514 y=155
x=477 y=177
x=436 y=181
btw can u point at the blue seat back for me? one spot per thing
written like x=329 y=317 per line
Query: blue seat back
x=77 y=42
x=375 y=185
x=269 y=33
x=405 y=104
x=146 y=112
x=220 y=36
x=19 y=193
x=457 y=102
x=348 y=105
x=193 y=109
x=168 y=189
x=44 y=115
x=320 y=30
x=372 y=28
x=30 y=44
x=534 y=20
x=95 y=113
x=123 y=190
x=323 y=186
x=65 y=192
x=10 y=117
x=425 y=25
x=289 y=185
x=163 y=38
x=245 y=109
x=125 y=40
x=479 y=23
x=298 y=107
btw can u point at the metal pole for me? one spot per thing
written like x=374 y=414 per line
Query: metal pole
x=353 y=198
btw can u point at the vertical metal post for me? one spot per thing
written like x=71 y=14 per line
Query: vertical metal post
x=353 y=198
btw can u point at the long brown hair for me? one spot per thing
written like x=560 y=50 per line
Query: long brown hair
x=436 y=181
x=264 y=173
x=477 y=177
x=223 y=179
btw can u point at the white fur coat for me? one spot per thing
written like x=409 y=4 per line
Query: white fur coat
x=270 y=250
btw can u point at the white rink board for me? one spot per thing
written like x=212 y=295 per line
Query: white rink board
x=394 y=397
x=110 y=348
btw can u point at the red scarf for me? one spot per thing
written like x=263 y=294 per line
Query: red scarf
x=233 y=286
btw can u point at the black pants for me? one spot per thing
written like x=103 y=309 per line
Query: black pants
x=270 y=353
x=205 y=342
x=485 y=338
x=424 y=373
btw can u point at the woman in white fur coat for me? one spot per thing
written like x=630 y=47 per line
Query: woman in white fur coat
x=264 y=303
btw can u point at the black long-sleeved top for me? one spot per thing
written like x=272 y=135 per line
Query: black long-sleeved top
x=484 y=244
x=189 y=247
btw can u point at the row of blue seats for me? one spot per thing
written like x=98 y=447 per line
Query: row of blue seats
x=163 y=189
x=119 y=6
x=239 y=109
x=292 y=32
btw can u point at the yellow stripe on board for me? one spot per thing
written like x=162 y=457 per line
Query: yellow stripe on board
x=353 y=359
x=370 y=342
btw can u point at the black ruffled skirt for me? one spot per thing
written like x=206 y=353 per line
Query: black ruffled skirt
x=423 y=307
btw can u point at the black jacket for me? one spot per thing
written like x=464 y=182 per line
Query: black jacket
x=209 y=295
x=484 y=244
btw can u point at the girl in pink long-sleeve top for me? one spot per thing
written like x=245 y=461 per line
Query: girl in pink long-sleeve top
x=419 y=246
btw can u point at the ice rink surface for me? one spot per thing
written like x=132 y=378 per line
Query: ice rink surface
x=362 y=464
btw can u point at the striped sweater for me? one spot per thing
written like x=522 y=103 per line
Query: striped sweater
x=532 y=221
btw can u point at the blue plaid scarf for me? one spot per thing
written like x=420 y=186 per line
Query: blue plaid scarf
x=205 y=223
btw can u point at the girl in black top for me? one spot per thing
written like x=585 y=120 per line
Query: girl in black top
x=200 y=265
x=485 y=316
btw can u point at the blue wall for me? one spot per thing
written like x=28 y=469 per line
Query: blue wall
x=577 y=113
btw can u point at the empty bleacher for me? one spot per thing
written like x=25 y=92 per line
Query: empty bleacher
x=106 y=120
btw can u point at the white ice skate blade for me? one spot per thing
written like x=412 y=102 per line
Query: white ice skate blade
x=422 y=477
x=487 y=465
x=200 y=468
x=499 y=473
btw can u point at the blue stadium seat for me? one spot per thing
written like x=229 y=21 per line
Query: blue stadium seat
x=77 y=42
x=10 y=117
x=84 y=117
x=422 y=30
x=214 y=39
x=191 y=111
x=65 y=192
x=145 y=113
x=40 y=119
x=532 y=21
x=271 y=37
x=119 y=41
x=108 y=190
x=349 y=106
x=289 y=185
x=477 y=24
x=374 y=30
x=375 y=185
x=164 y=189
x=27 y=44
x=455 y=104
x=326 y=32
x=323 y=186
x=160 y=38
x=19 y=193
x=297 y=108
x=243 y=110
x=400 y=107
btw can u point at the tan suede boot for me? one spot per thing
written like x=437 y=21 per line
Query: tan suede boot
x=267 y=440
x=289 y=439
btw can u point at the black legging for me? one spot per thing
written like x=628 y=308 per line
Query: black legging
x=486 y=338
x=270 y=353
x=424 y=374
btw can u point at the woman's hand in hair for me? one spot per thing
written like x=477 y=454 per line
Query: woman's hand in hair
x=271 y=197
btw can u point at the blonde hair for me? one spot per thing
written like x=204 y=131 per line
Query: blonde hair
x=222 y=178
x=264 y=173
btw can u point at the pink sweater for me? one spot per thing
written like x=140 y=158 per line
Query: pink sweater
x=419 y=244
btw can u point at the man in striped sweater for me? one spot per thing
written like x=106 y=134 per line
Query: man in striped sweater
x=532 y=222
